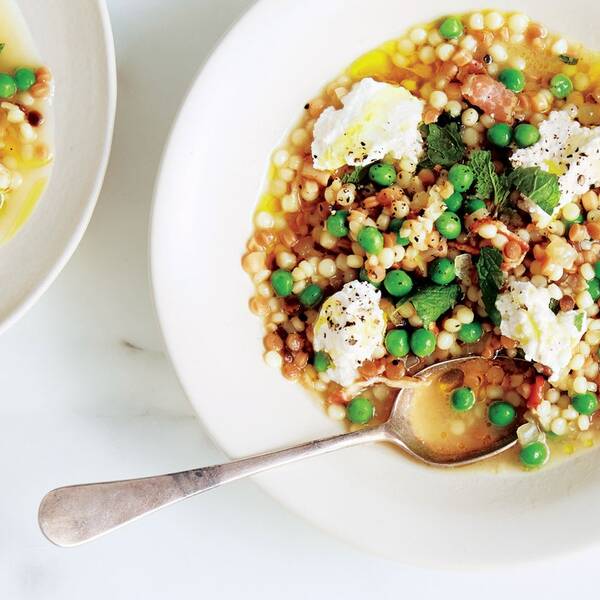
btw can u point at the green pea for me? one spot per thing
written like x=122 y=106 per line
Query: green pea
x=451 y=28
x=370 y=240
x=395 y=227
x=282 y=282
x=500 y=134
x=469 y=333
x=398 y=283
x=513 y=79
x=594 y=288
x=337 y=224
x=461 y=177
x=561 y=86
x=360 y=410
x=474 y=204
x=363 y=276
x=8 y=87
x=534 y=454
x=454 y=202
x=449 y=225
x=396 y=342
x=382 y=174
x=586 y=404
x=24 y=78
x=463 y=399
x=321 y=361
x=501 y=413
x=311 y=295
x=597 y=269
x=442 y=271
x=526 y=135
x=422 y=342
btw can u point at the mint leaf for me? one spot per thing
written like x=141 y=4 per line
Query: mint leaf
x=487 y=182
x=444 y=144
x=355 y=176
x=537 y=185
x=433 y=301
x=483 y=168
x=2 y=45
x=569 y=60
x=491 y=279
x=501 y=189
x=579 y=321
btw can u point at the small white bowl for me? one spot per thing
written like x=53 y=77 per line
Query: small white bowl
x=247 y=95
x=75 y=40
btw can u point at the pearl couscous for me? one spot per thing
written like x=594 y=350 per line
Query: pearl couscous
x=441 y=198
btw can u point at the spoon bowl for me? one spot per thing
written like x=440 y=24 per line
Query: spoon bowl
x=75 y=514
x=400 y=431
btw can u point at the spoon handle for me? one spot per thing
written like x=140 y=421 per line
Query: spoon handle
x=71 y=515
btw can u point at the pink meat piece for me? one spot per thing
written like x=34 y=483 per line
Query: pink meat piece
x=490 y=96
x=473 y=68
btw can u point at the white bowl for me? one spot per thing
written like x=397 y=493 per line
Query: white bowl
x=75 y=40
x=247 y=95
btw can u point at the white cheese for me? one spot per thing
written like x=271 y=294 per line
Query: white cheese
x=377 y=119
x=544 y=415
x=528 y=433
x=568 y=150
x=432 y=213
x=545 y=338
x=350 y=328
x=463 y=264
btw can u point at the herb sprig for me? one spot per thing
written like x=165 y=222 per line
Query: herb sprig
x=488 y=183
x=444 y=144
x=491 y=280
x=539 y=186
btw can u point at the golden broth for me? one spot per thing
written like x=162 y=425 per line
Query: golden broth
x=447 y=431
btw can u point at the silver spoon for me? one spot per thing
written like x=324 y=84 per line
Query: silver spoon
x=75 y=514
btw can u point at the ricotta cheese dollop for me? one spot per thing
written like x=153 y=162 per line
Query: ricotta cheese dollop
x=350 y=328
x=545 y=337
x=568 y=150
x=376 y=119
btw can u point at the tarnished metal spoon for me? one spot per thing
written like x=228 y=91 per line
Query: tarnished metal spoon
x=75 y=514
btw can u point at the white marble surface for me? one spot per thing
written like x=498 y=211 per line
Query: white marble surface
x=88 y=394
